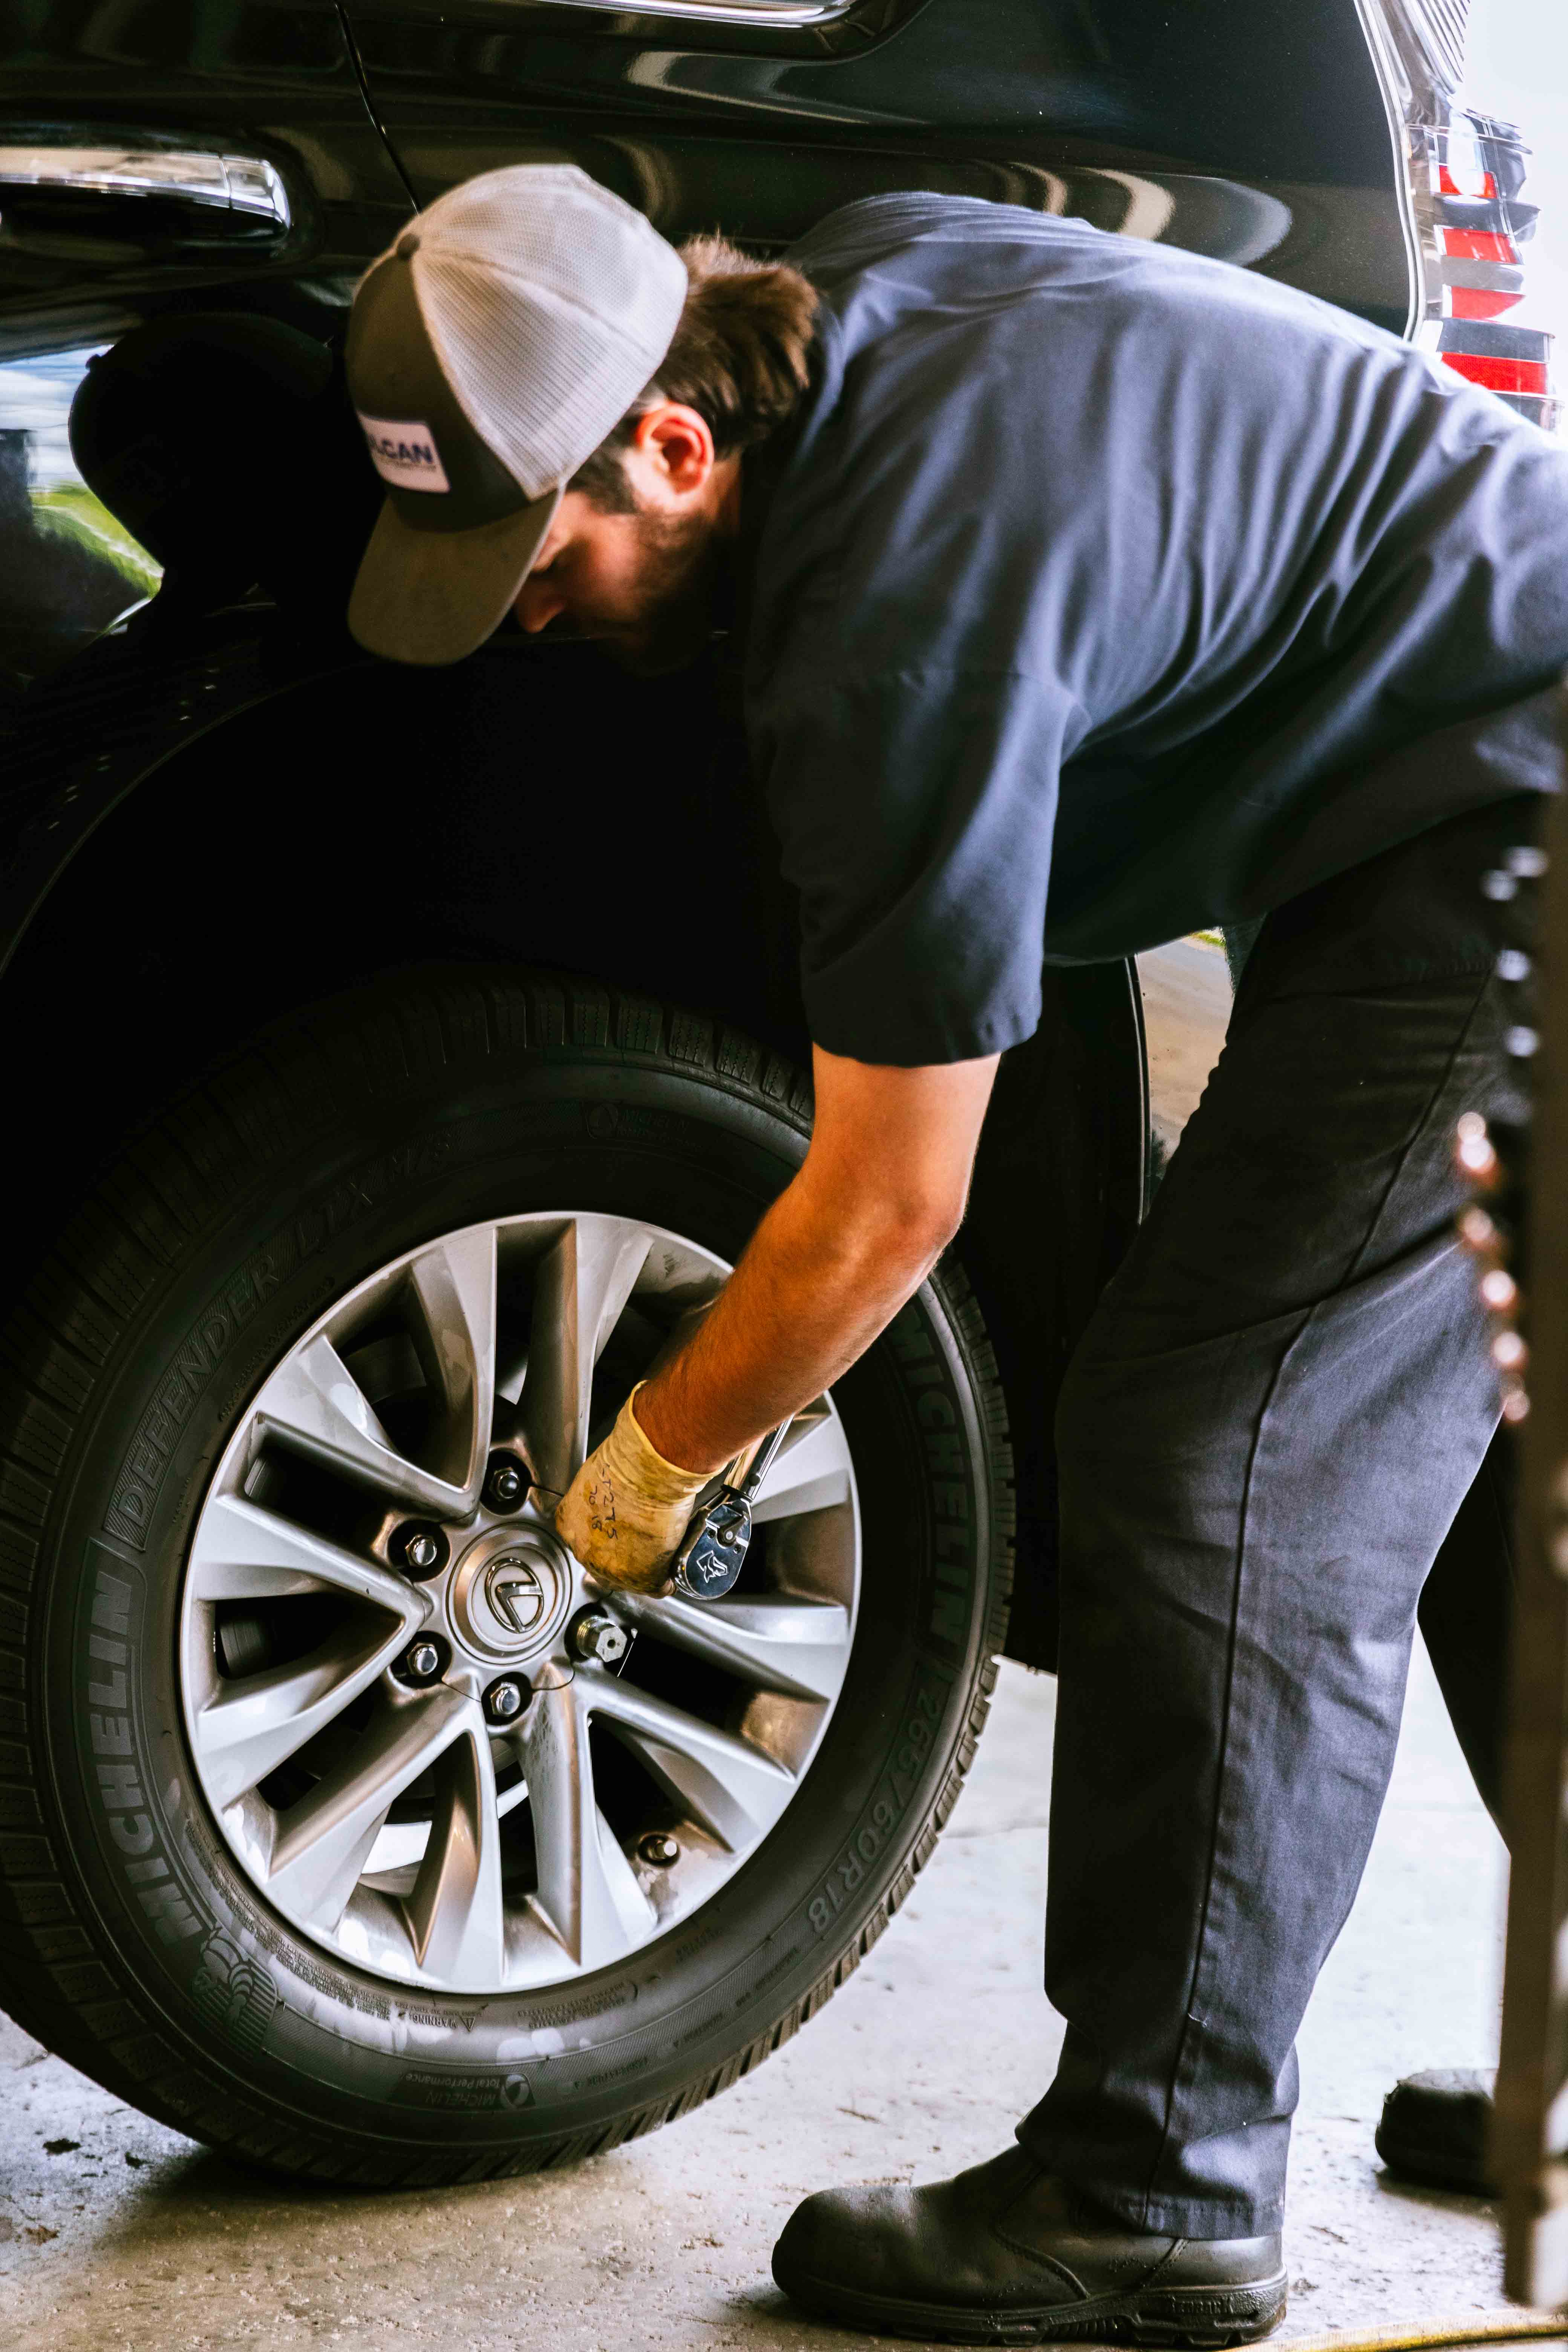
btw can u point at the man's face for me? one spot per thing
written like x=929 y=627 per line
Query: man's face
x=643 y=584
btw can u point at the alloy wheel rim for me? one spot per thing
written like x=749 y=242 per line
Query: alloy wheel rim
x=382 y=1809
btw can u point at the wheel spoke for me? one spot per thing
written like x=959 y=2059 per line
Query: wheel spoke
x=324 y=1842
x=581 y=1285
x=456 y=1918
x=455 y=1283
x=245 y=1553
x=587 y=1892
x=255 y=1723
x=314 y=1405
x=811 y=1472
x=782 y=1642
x=729 y=1787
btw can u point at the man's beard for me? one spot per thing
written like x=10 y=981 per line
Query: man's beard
x=680 y=597
x=683 y=571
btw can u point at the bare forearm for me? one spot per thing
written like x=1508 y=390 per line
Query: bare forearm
x=881 y=1190
x=809 y=1296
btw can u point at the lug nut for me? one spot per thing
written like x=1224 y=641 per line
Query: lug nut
x=422 y=1662
x=506 y=1483
x=418 y=1548
x=598 y=1636
x=505 y=1700
x=658 y=1849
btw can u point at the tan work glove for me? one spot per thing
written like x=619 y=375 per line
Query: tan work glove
x=625 y=1513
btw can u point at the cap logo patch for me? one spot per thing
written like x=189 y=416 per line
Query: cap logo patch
x=404 y=453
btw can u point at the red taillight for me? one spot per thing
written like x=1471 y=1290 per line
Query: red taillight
x=1448 y=186
x=1498 y=374
x=1481 y=302
x=1475 y=244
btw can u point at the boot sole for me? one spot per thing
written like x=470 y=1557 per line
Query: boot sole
x=1200 y=2316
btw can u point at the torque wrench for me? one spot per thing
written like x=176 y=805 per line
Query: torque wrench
x=713 y=1549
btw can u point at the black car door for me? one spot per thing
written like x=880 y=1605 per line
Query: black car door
x=151 y=154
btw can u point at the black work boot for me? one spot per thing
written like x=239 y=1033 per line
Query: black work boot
x=1436 y=2130
x=1004 y=2254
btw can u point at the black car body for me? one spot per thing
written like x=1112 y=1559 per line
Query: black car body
x=216 y=810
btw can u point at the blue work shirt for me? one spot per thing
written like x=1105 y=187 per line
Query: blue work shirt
x=1108 y=591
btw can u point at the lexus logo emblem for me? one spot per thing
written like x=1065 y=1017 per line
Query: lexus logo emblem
x=509 y=1595
x=516 y=1592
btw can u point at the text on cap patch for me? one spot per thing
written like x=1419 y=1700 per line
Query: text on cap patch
x=402 y=451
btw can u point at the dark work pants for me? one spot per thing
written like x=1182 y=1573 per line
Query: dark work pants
x=1281 y=1408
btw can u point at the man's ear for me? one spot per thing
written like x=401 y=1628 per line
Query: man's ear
x=676 y=444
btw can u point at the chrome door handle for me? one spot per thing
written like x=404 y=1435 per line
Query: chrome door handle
x=235 y=183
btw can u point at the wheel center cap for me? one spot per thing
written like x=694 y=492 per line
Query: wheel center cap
x=510 y=1592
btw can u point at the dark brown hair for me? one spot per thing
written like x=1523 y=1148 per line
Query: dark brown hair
x=739 y=357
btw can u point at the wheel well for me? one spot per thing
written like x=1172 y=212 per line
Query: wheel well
x=551 y=813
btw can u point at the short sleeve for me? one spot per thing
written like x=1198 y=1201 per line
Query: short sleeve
x=915 y=809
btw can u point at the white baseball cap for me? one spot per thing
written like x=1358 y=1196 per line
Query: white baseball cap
x=490 y=352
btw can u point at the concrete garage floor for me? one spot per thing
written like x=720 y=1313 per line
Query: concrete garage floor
x=115 y=2232
x=127 y=2236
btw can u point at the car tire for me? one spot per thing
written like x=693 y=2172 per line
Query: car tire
x=135 y=1944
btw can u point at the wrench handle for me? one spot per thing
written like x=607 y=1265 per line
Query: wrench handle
x=754 y=1461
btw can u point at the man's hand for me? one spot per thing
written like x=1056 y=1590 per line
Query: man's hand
x=626 y=1510
x=878 y=1197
